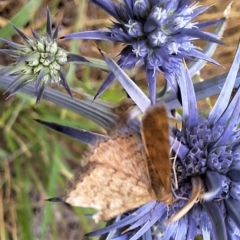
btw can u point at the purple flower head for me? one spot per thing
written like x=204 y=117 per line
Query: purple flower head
x=205 y=170
x=38 y=60
x=156 y=33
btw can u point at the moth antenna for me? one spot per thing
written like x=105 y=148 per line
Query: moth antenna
x=196 y=190
x=55 y=199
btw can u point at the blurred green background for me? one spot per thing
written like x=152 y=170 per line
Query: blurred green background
x=35 y=162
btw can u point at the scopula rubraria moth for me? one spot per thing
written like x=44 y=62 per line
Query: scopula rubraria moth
x=125 y=172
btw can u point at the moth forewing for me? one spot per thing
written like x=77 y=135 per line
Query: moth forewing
x=155 y=135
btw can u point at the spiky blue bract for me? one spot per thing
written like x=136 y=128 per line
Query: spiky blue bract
x=157 y=33
x=78 y=134
x=207 y=149
x=39 y=61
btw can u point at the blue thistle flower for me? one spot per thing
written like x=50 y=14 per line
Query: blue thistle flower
x=205 y=168
x=157 y=34
x=206 y=172
x=38 y=60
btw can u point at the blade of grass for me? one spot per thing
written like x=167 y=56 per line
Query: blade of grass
x=14 y=222
x=24 y=206
x=2 y=224
x=75 y=43
x=20 y=19
x=12 y=145
x=80 y=212
x=54 y=174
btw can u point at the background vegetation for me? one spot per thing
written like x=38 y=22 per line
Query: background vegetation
x=36 y=163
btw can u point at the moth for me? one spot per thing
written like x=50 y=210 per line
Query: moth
x=126 y=170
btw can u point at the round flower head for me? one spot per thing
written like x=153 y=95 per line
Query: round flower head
x=205 y=168
x=38 y=60
x=156 y=33
x=205 y=172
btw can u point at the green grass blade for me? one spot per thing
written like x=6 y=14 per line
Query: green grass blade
x=24 y=213
x=20 y=19
x=54 y=174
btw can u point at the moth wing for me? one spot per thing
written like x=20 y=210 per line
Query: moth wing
x=155 y=134
x=113 y=179
x=109 y=191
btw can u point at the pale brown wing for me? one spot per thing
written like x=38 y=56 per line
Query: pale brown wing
x=155 y=134
x=114 y=178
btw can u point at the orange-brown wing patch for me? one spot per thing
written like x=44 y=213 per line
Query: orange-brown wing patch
x=155 y=134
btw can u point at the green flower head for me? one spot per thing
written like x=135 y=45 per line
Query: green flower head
x=39 y=60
